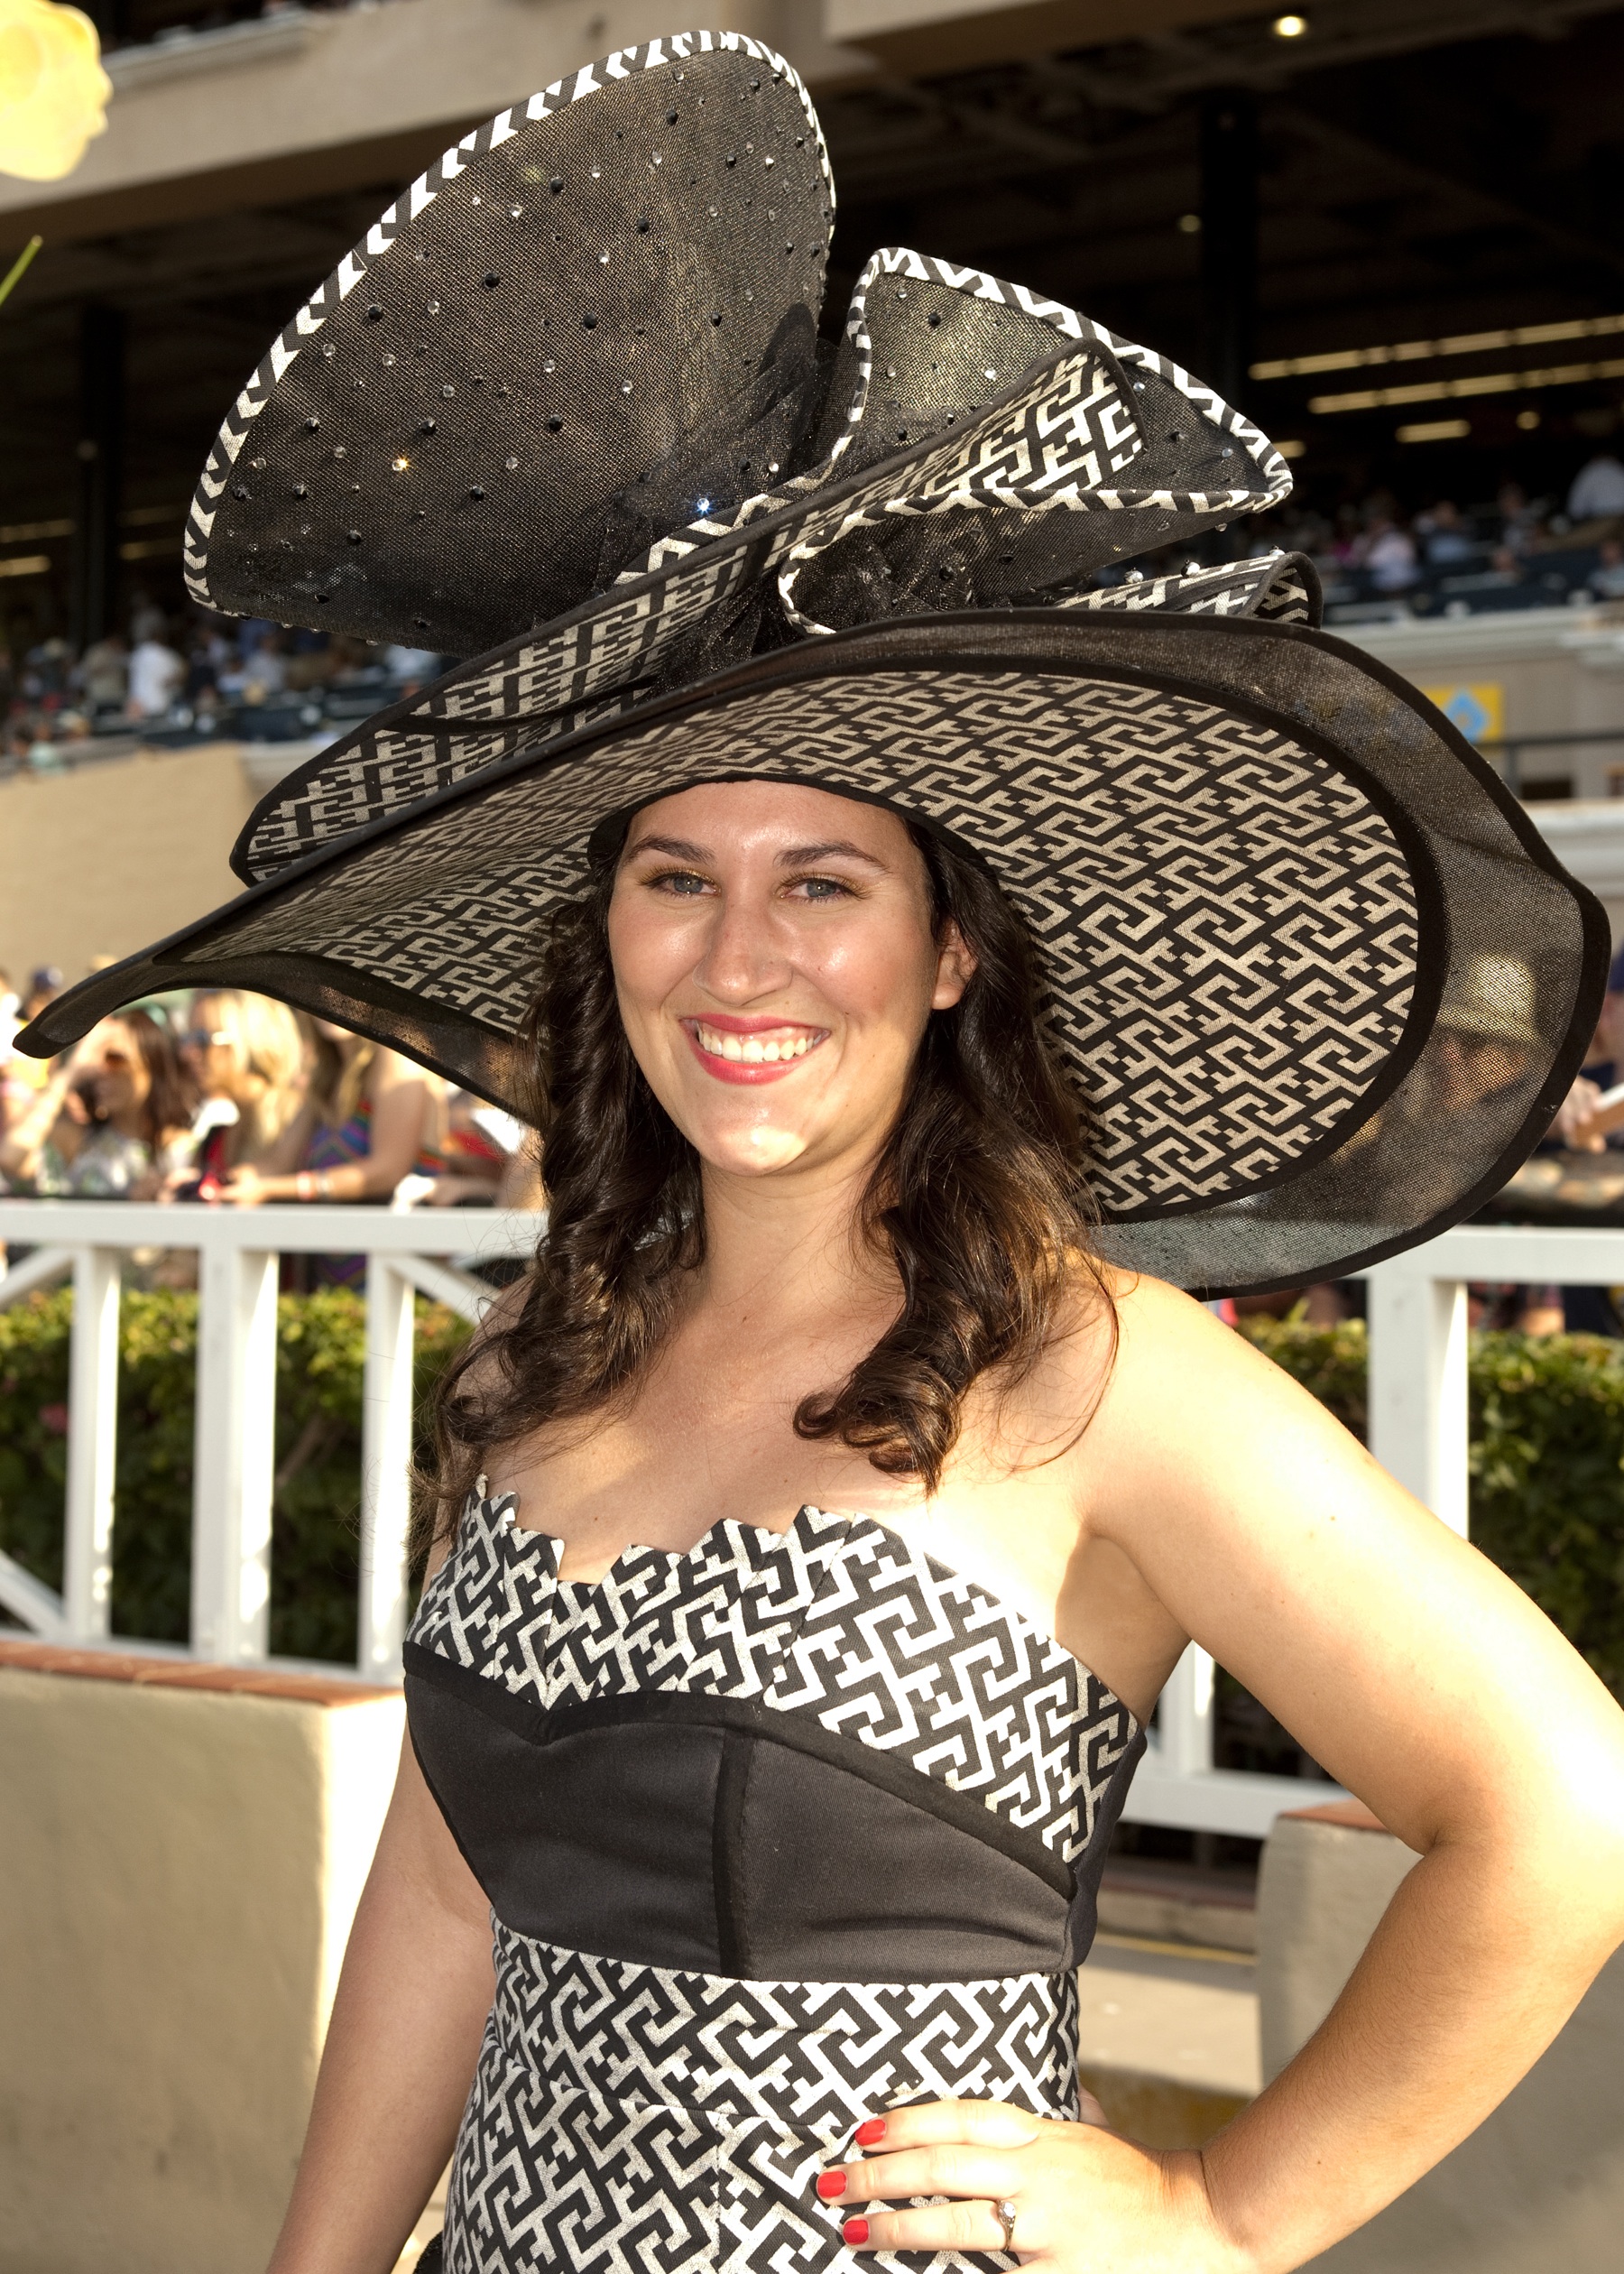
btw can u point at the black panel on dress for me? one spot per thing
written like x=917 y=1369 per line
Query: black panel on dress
x=690 y=1831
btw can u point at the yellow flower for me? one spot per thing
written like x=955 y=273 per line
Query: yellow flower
x=53 y=90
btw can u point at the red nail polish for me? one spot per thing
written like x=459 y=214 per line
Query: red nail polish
x=830 y=2184
x=854 y=2231
x=867 y=2134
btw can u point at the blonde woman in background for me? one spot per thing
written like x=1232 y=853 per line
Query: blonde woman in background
x=249 y=1055
x=370 y=1118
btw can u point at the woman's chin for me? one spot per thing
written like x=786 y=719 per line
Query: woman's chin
x=754 y=1150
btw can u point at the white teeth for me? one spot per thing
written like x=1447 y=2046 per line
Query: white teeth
x=754 y=1049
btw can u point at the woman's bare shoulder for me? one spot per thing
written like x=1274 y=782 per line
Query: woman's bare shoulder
x=1168 y=1396
x=1116 y=1325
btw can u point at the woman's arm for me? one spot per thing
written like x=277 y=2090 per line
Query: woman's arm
x=405 y=1098
x=412 y=1998
x=1427 y=1683
x=1430 y=1685
x=23 y=1144
x=286 y=1150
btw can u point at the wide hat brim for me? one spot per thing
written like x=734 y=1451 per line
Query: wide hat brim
x=1259 y=869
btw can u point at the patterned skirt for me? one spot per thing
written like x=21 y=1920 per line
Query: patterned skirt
x=636 y=2120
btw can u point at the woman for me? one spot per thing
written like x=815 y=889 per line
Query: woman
x=874 y=1293
x=113 y=1122
x=246 y=1055
x=912 y=997
x=370 y=1119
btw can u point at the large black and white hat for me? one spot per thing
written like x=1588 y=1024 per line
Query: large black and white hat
x=1269 y=882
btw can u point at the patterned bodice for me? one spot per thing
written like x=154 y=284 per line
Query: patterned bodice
x=830 y=1667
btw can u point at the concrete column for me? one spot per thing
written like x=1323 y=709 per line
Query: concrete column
x=100 y=451
x=1228 y=237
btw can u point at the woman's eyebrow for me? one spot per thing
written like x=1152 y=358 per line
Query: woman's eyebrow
x=796 y=855
x=678 y=848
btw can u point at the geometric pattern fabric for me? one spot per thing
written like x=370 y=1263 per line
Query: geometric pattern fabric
x=632 y=2119
x=627 y=2115
x=1227 y=924
x=1055 y=473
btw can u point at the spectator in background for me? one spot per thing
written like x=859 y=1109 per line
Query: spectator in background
x=208 y=655
x=1519 y=521
x=1445 y=538
x=102 y=676
x=263 y=672
x=112 y=1121
x=413 y=668
x=44 y=678
x=1389 y=556
x=1598 y=490
x=44 y=986
x=25 y=1077
x=156 y=672
x=1606 y=578
x=247 y=1056
x=490 y=1158
x=371 y=1120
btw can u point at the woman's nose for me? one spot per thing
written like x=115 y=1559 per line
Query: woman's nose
x=743 y=954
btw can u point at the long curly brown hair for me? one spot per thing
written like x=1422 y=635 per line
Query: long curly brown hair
x=980 y=1199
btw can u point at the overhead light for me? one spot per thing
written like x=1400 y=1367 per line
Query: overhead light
x=1189 y=225
x=1431 y=351
x=1528 y=420
x=1437 y=430
x=1290 y=27
x=1294 y=449
x=26 y=565
x=1486 y=382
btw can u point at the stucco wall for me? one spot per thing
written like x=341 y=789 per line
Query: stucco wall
x=179 y=1867
x=1540 y=2185
x=104 y=859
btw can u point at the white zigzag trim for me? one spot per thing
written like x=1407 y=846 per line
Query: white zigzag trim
x=623 y=63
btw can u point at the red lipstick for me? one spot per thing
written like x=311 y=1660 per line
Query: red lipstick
x=793 y=1035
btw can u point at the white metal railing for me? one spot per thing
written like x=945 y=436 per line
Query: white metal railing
x=1417 y=1403
x=1417 y=1425
x=238 y=1253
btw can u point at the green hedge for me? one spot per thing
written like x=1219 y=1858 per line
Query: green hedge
x=1548 y=1461
x=1548 y=1465
x=320 y=1353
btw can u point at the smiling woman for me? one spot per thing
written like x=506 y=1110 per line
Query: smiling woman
x=894 y=970
x=923 y=961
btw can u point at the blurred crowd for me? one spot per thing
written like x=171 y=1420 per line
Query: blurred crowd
x=231 y=1099
x=1514 y=551
x=202 y=676
x=194 y=679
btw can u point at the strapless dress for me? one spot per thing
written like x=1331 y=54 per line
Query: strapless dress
x=778 y=1835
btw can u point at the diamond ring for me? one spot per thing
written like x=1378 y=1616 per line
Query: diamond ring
x=1005 y=2213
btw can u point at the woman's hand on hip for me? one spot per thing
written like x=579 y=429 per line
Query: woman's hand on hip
x=1086 y=2201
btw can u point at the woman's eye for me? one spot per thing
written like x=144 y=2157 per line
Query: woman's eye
x=822 y=888
x=681 y=881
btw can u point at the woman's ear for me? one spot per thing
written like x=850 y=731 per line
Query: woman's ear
x=955 y=967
